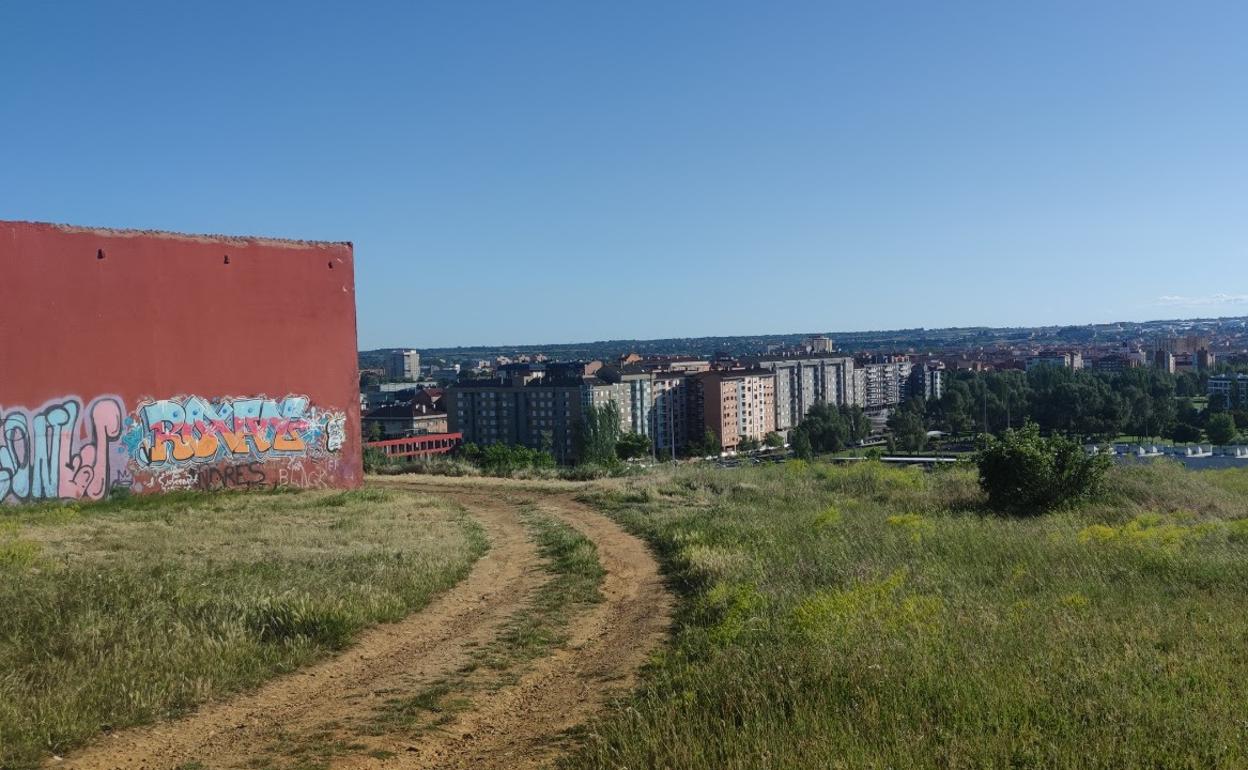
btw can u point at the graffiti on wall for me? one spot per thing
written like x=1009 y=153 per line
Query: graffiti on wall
x=65 y=451
x=193 y=429
x=58 y=451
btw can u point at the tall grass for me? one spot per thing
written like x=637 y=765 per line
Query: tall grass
x=123 y=612
x=451 y=465
x=865 y=616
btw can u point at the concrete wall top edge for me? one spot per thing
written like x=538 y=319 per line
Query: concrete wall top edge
x=232 y=240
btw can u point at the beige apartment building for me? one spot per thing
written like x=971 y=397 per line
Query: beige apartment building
x=806 y=379
x=736 y=404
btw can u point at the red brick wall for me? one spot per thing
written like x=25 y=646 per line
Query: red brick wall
x=158 y=361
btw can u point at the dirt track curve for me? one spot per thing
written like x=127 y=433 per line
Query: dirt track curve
x=515 y=726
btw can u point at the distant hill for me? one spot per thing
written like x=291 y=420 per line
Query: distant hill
x=896 y=339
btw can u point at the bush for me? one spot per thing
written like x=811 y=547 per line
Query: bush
x=802 y=446
x=632 y=445
x=431 y=465
x=375 y=460
x=505 y=459
x=1221 y=428
x=1185 y=433
x=1024 y=473
x=748 y=445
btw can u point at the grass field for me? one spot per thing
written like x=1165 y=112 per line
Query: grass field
x=869 y=617
x=123 y=612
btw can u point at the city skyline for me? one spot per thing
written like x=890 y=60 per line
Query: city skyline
x=537 y=346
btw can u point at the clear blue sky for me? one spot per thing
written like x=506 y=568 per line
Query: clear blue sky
x=526 y=172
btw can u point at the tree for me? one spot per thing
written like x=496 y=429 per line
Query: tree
x=1185 y=432
x=1221 y=428
x=748 y=445
x=857 y=426
x=709 y=445
x=632 y=445
x=908 y=429
x=1025 y=473
x=801 y=444
x=373 y=432
x=825 y=428
x=774 y=440
x=599 y=434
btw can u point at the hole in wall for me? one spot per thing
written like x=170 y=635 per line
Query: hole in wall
x=99 y=253
x=227 y=260
x=331 y=265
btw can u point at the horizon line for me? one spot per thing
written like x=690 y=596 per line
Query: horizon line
x=833 y=334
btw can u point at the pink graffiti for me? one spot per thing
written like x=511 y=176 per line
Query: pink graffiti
x=44 y=454
x=85 y=473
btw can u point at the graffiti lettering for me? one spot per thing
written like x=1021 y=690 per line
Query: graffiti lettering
x=50 y=453
x=63 y=450
x=335 y=432
x=249 y=476
x=192 y=429
x=296 y=475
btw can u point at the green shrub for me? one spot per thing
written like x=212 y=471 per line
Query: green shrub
x=632 y=445
x=1025 y=473
x=505 y=459
x=375 y=460
x=1221 y=428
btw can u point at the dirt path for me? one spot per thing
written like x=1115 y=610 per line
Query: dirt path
x=511 y=727
x=519 y=726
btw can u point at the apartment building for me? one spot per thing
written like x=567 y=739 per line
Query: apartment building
x=804 y=380
x=1114 y=363
x=1165 y=361
x=537 y=413
x=671 y=424
x=409 y=418
x=542 y=405
x=402 y=365
x=736 y=404
x=635 y=397
x=629 y=391
x=882 y=384
x=1190 y=343
x=682 y=364
x=927 y=381
x=818 y=344
x=1233 y=388
x=1060 y=358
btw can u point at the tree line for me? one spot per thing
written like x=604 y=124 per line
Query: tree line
x=1081 y=404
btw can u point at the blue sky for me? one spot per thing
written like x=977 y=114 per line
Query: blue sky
x=526 y=172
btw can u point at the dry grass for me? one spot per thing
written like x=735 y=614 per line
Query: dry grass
x=128 y=611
